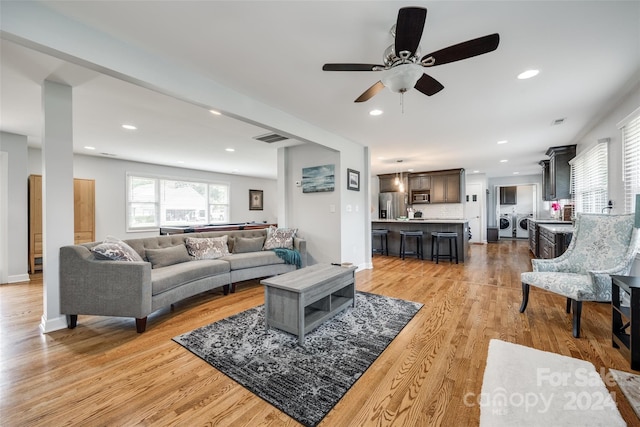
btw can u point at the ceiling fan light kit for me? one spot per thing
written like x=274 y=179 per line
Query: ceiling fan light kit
x=403 y=63
x=402 y=78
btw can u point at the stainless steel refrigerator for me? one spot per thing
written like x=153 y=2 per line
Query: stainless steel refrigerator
x=392 y=205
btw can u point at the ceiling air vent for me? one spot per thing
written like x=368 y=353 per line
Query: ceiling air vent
x=270 y=138
x=557 y=122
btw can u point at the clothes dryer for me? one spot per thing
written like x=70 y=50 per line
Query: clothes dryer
x=505 y=224
x=522 y=225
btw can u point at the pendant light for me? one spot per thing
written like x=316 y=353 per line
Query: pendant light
x=399 y=181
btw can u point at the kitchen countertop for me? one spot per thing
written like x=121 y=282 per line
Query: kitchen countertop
x=550 y=221
x=558 y=228
x=424 y=221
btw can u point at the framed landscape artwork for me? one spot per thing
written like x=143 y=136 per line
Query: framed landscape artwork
x=318 y=179
x=255 y=200
x=353 y=180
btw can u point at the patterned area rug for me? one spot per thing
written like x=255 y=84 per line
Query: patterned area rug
x=304 y=382
x=630 y=385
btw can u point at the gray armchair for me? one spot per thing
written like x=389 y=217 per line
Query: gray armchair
x=602 y=245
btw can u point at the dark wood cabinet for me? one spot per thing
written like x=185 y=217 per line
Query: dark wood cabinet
x=546 y=180
x=419 y=182
x=509 y=195
x=560 y=171
x=533 y=237
x=552 y=243
x=387 y=183
x=446 y=186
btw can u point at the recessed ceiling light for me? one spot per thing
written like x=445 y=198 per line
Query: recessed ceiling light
x=231 y=150
x=215 y=113
x=409 y=170
x=504 y=141
x=528 y=74
x=375 y=112
x=129 y=127
x=476 y=171
x=504 y=161
x=516 y=173
x=89 y=148
x=180 y=162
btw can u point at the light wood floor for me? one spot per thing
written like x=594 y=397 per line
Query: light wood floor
x=104 y=373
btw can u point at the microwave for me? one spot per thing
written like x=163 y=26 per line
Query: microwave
x=420 y=198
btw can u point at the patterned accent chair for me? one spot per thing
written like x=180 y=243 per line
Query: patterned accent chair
x=601 y=245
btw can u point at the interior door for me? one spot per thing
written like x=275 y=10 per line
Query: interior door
x=473 y=212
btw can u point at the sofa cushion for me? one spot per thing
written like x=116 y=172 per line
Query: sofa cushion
x=252 y=259
x=115 y=250
x=247 y=244
x=173 y=276
x=168 y=256
x=279 y=238
x=207 y=247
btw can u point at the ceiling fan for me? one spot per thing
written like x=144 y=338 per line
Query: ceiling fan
x=403 y=63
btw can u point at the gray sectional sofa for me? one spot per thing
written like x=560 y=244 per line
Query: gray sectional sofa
x=161 y=272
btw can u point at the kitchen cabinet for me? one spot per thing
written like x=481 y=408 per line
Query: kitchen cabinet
x=387 y=183
x=509 y=195
x=560 y=171
x=546 y=180
x=553 y=240
x=446 y=186
x=533 y=237
x=419 y=182
x=83 y=216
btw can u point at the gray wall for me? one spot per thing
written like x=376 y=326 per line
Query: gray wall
x=312 y=212
x=110 y=177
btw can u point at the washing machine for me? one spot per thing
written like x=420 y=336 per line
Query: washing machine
x=522 y=225
x=505 y=225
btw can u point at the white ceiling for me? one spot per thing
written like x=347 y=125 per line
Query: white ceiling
x=588 y=54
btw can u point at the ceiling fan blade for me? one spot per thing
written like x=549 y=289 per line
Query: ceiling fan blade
x=463 y=50
x=350 y=67
x=371 y=92
x=409 y=28
x=428 y=85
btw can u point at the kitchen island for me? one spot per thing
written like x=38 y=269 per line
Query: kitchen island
x=460 y=226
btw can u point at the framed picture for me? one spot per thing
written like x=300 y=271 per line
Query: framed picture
x=255 y=200
x=353 y=180
x=318 y=179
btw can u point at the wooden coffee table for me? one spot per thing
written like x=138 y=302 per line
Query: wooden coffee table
x=299 y=301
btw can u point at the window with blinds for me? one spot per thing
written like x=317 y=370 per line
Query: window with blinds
x=589 y=172
x=631 y=158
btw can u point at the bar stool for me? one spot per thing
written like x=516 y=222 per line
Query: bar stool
x=451 y=236
x=403 y=243
x=384 y=241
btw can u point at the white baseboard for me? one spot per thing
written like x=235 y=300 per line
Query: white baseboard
x=55 y=324
x=18 y=278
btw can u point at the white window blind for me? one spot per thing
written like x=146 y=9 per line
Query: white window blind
x=589 y=172
x=631 y=158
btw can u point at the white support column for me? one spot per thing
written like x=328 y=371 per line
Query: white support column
x=284 y=187
x=57 y=195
